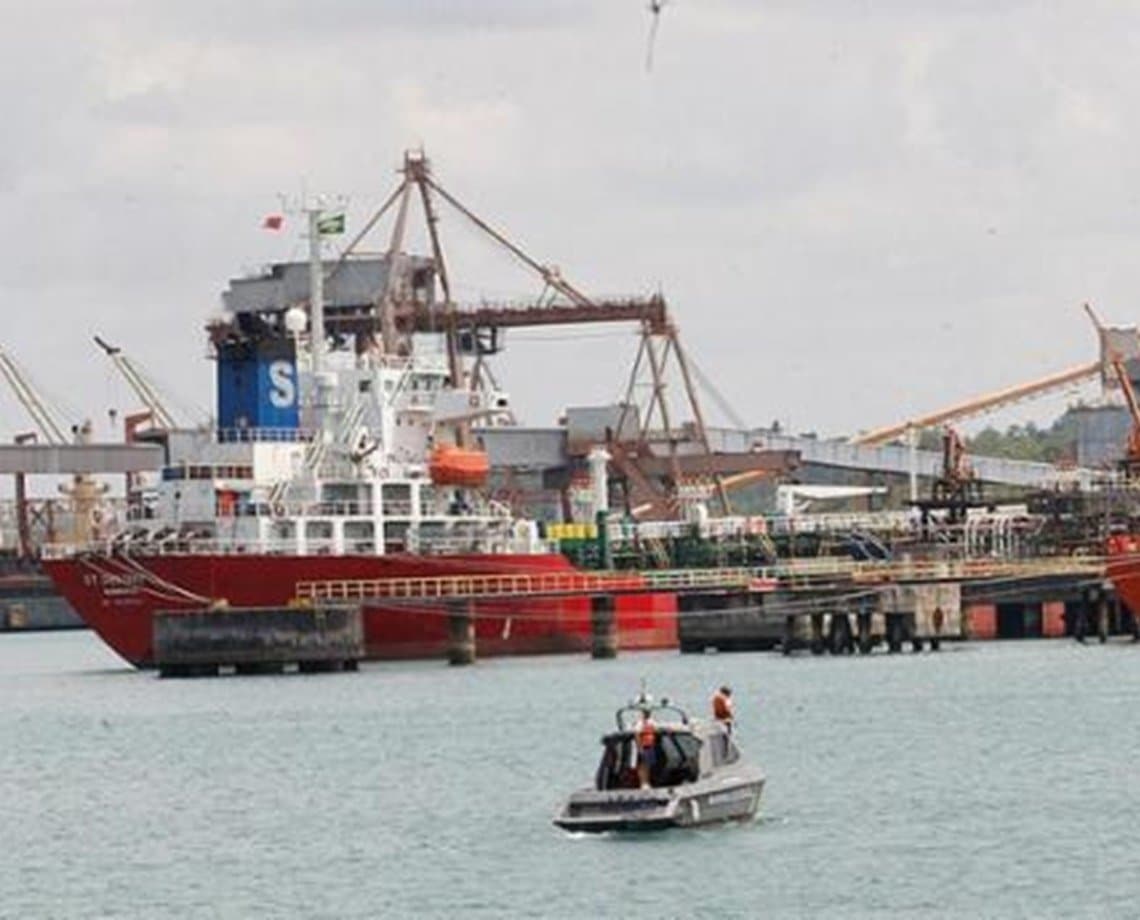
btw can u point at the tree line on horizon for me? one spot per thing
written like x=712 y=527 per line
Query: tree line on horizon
x=1056 y=443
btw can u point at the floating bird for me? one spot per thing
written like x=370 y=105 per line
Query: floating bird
x=655 y=8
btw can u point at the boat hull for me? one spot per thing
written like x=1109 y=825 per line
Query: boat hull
x=118 y=597
x=593 y=812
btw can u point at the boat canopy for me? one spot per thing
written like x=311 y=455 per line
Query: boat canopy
x=677 y=760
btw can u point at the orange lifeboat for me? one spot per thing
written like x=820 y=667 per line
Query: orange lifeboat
x=458 y=466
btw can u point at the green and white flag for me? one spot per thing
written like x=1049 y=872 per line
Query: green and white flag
x=331 y=225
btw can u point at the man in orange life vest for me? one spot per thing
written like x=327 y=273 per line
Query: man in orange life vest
x=646 y=747
x=722 y=706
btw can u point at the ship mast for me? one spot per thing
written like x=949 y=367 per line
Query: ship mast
x=316 y=291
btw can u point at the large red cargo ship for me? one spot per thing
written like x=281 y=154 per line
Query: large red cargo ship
x=118 y=596
x=341 y=451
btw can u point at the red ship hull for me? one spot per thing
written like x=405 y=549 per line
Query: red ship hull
x=1123 y=568
x=118 y=597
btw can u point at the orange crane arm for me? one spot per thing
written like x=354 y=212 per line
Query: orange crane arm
x=1133 y=407
x=979 y=404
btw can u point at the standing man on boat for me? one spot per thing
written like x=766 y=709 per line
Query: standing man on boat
x=722 y=707
x=646 y=734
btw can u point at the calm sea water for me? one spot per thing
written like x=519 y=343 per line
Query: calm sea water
x=993 y=780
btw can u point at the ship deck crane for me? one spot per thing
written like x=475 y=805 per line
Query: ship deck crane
x=140 y=384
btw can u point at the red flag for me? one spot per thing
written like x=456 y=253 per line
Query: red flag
x=272 y=222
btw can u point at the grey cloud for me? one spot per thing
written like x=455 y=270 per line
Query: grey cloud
x=912 y=196
x=299 y=21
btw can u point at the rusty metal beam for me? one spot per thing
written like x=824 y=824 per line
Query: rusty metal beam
x=650 y=310
x=421 y=318
x=768 y=461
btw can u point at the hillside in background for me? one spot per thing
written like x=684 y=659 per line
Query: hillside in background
x=1053 y=444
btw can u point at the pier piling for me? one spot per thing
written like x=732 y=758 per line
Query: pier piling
x=839 y=635
x=894 y=632
x=817 y=634
x=864 y=628
x=460 y=633
x=1102 y=617
x=603 y=627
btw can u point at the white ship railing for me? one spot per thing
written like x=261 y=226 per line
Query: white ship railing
x=173 y=547
x=325 y=509
x=486 y=540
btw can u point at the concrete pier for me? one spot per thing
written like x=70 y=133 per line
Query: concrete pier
x=728 y=622
x=257 y=640
x=29 y=601
x=823 y=620
x=1047 y=608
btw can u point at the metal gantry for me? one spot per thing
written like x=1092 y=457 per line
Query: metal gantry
x=395 y=317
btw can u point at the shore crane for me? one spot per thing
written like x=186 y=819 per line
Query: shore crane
x=1110 y=339
x=84 y=492
x=1131 y=461
x=138 y=382
x=49 y=429
x=979 y=405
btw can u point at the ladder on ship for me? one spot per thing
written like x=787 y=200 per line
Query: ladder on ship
x=318 y=448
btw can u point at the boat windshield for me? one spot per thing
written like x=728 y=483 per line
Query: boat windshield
x=677 y=761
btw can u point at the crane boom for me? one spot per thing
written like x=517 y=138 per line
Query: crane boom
x=979 y=404
x=31 y=400
x=1129 y=396
x=139 y=383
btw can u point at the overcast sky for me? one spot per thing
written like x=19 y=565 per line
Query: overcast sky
x=857 y=210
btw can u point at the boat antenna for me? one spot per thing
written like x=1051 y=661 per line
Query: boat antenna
x=644 y=700
x=655 y=7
